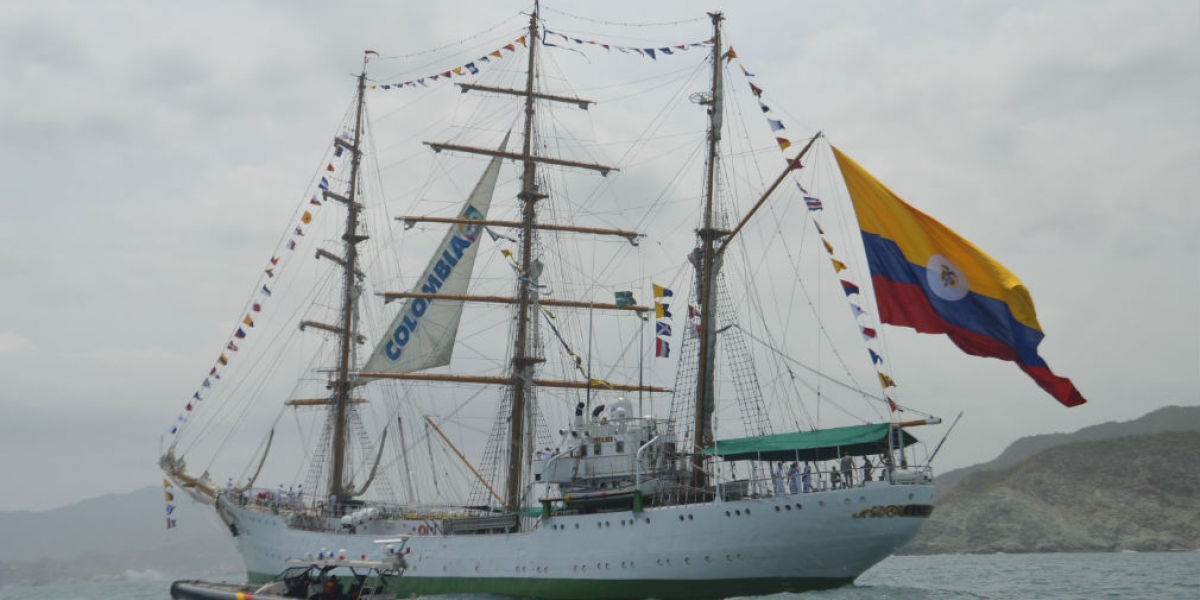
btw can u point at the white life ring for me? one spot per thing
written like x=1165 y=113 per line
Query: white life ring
x=422 y=529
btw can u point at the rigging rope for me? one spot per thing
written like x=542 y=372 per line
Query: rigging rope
x=624 y=24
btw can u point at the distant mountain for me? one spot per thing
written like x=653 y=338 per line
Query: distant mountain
x=1170 y=418
x=1124 y=492
x=112 y=537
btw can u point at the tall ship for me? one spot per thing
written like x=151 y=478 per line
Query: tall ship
x=543 y=351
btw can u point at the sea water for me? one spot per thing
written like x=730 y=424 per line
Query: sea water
x=1157 y=576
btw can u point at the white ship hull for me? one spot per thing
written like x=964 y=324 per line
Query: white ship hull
x=750 y=546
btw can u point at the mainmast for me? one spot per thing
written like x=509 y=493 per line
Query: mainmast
x=343 y=384
x=706 y=261
x=521 y=376
x=522 y=362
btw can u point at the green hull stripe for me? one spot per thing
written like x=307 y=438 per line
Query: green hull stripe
x=606 y=589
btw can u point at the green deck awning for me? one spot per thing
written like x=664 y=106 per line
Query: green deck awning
x=823 y=444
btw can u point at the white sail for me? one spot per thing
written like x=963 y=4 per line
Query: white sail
x=422 y=334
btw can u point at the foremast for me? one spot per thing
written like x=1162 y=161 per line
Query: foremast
x=343 y=383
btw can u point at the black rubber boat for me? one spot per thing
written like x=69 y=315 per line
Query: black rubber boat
x=323 y=580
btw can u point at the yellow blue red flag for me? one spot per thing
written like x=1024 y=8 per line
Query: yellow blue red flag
x=928 y=278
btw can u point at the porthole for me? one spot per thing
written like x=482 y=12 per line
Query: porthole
x=690 y=517
x=789 y=507
x=707 y=559
x=687 y=560
x=680 y=517
x=577 y=526
x=798 y=506
x=647 y=519
x=728 y=514
x=777 y=509
x=737 y=512
x=747 y=512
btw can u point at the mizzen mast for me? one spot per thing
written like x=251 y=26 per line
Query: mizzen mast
x=706 y=260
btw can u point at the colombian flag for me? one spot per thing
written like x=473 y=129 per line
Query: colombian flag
x=928 y=278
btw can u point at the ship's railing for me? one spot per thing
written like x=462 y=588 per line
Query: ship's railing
x=267 y=499
x=822 y=480
x=822 y=477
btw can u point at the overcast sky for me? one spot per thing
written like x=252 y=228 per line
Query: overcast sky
x=143 y=142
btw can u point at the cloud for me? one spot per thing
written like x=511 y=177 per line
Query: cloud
x=13 y=344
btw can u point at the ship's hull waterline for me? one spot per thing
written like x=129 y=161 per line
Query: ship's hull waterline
x=750 y=546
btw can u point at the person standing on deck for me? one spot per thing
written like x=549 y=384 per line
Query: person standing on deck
x=807 y=478
x=848 y=470
x=777 y=476
x=866 y=468
x=794 y=478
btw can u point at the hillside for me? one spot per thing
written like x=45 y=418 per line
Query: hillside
x=113 y=537
x=1170 y=418
x=1137 y=492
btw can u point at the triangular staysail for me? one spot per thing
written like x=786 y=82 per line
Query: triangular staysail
x=422 y=334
